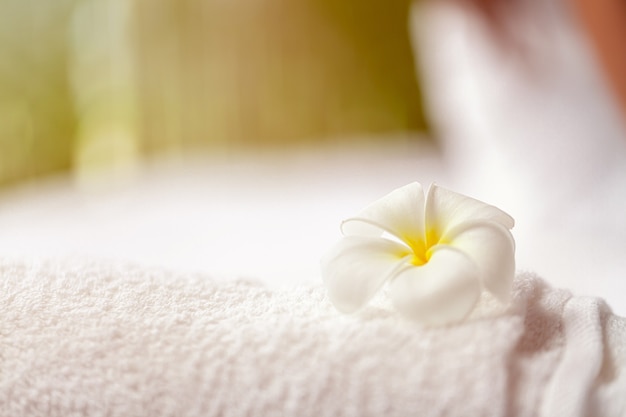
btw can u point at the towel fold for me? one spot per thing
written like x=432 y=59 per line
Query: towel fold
x=95 y=339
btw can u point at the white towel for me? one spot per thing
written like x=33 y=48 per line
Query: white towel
x=94 y=339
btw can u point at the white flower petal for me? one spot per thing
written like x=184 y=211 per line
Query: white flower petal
x=356 y=267
x=440 y=292
x=492 y=248
x=446 y=210
x=400 y=213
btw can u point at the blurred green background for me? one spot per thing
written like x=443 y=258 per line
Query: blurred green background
x=86 y=84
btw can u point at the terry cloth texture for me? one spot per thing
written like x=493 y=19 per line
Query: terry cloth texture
x=81 y=339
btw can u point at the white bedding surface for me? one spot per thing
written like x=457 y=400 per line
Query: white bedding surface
x=267 y=216
x=270 y=217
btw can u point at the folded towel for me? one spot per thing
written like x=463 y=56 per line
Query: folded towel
x=94 y=339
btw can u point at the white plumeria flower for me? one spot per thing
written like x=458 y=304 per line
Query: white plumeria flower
x=437 y=254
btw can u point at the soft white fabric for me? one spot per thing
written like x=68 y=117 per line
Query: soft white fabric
x=94 y=339
x=538 y=135
x=272 y=216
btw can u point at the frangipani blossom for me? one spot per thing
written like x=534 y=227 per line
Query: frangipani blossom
x=437 y=253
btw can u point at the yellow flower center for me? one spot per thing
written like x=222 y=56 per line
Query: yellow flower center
x=422 y=249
